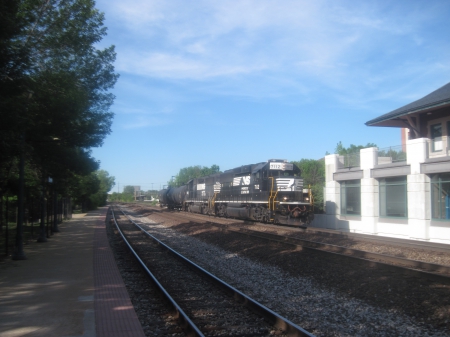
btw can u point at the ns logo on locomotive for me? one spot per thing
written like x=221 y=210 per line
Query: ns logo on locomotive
x=271 y=191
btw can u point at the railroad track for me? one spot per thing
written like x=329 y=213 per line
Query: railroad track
x=317 y=290
x=204 y=304
x=383 y=260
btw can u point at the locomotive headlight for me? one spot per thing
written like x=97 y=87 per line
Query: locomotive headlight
x=285 y=198
x=307 y=199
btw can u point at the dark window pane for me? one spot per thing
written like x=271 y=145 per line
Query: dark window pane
x=351 y=197
x=440 y=196
x=393 y=197
x=436 y=136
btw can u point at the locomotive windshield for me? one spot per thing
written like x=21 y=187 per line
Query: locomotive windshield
x=283 y=169
x=282 y=173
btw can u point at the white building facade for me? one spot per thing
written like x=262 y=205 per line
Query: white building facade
x=400 y=192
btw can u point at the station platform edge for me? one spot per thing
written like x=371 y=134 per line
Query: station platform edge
x=69 y=286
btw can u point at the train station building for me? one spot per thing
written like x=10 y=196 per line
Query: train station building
x=400 y=191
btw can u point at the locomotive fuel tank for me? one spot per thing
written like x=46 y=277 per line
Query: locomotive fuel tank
x=195 y=209
x=238 y=212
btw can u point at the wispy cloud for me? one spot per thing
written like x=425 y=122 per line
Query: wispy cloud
x=142 y=121
x=233 y=45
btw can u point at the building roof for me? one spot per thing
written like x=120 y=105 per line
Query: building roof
x=437 y=98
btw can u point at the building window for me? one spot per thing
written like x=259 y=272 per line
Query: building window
x=393 y=197
x=436 y=137
x=351 y=197
x=440 y=196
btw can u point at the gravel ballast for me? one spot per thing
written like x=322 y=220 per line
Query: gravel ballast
x=275 y=280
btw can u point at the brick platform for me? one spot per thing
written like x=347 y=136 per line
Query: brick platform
x=69 y=286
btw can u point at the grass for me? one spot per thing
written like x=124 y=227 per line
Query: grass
x=30 y=233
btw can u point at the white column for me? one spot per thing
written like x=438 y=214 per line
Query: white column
x=369 y=191
x=419 y=198
x=332 y=192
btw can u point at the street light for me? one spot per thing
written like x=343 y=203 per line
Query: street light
x=18 y=253
x=55 y=228
x=42 y=232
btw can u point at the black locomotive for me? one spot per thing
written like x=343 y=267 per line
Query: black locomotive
x=271 y=191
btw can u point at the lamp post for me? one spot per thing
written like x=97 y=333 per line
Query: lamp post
x=55 y=211
x=18 y=252
x=42 y=235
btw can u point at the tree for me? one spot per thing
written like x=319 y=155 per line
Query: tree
x=341 y=150
x=191 y=172
x=313 y=174
x=54 y=90
x=128 y=189
x=106 y=184
x=83 y=188
x=54 y=81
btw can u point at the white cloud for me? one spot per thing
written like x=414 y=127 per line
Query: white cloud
x=143 y=121
x=233 y=44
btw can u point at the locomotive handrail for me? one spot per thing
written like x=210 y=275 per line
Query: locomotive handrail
x=213 y=200
x=272 y=197
x=273 y=202
x=311 y=197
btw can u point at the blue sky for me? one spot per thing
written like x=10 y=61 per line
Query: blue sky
x=240 y=82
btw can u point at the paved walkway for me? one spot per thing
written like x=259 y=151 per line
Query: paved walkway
x=68 y=286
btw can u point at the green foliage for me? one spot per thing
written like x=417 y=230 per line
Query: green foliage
x=395 y=154
x=341 y=150
x=313 y=174
x=54 y=93
x=121 y=197
x=191 y=172
x=128 y=189
x=82 y=187
x=106 y=184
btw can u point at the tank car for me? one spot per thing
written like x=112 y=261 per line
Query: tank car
x=270 y=192
x=172 y=197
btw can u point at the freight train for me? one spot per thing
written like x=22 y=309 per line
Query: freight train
x=269 y=192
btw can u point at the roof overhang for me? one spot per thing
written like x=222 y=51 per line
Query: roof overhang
x=438 y=99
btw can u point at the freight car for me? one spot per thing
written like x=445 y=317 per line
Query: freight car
x=270 y=192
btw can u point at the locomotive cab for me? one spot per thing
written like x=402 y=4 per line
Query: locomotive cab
x=288 y=203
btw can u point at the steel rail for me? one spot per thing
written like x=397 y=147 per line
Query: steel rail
x=435 y=246
x=272 y=317
x=419 y=266
x=389 y=260
x=190 y=328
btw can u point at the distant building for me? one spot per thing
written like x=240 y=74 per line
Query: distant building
x=400 y=191
x=138 y=194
